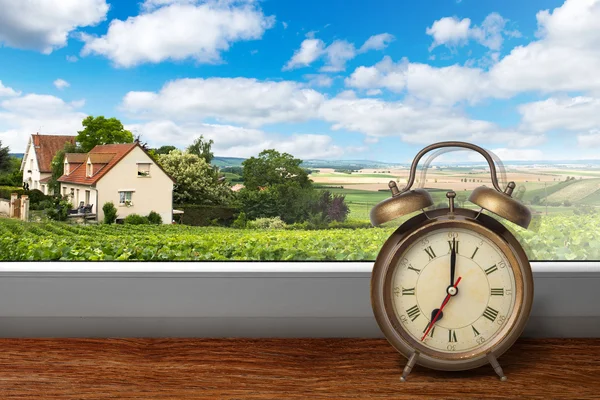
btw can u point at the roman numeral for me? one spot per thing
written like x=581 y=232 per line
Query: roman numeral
x=414 y=269
x=491 y=269
x=451 y=336
x=450 y=245
x=490 y=313
x=430 y=252
x=413 y=312
x=431 y=331
x=497 y=291
x=475 y=331
x=475 y=252
x=408 y=292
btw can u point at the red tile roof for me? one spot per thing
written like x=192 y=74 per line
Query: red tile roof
x=46 y=180
x=103 y=158
x=46 y=147
x=76 y=158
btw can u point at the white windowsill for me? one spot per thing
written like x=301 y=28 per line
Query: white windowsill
x=245 y=299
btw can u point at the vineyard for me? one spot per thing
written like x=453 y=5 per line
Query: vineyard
x=556 y=237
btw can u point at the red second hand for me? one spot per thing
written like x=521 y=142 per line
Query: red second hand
x=440 y=310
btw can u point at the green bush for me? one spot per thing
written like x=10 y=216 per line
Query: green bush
x=136 y=219
x=266 y=223
x=203 y=215
x=110 y=212
x=59 y=210
x=241 y=221
x=154 y=218
x=308 y=226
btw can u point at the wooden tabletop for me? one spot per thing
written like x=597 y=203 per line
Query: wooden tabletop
x=281 y=369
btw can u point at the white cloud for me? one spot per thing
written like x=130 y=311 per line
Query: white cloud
x=178 y=31
x=7 y=91
x=591 y=139
x=285 y=24
x=452 y=32
x=575 y=114
x=237 y=100
x=44 y=25
x=61 y=84
x=22 y=116
x=374 y=92
x=72 y=59
x=310 y=50
x=449 y=31
x=234 y=141
x=150 y=5
x=416 y=123
x=377 y=42
x=319 y=80
x=336 y=54
x=442 y=86
x=565 y=58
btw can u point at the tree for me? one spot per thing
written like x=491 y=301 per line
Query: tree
x=4 y=158
x=58 y=166
x=195 y=180
x=164 y=149
x=202 y=148
x=12 y=174
x=99 y=130
x=273 y=168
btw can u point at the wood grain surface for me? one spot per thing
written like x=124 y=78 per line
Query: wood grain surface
x=282 y=369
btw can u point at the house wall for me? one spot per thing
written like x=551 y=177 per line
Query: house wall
x=153 y=193
x=82 y=188
x=4 y=206
x=33 y=177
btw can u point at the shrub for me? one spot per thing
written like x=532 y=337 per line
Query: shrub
x=567 y=203
x=266 y=223
x=136 y=219
x=203 y=215
x=59 y=210
x=154 y=218
x=241 y=221
x=110 y=212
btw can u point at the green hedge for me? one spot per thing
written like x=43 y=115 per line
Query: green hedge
x=5 y=191
x=199 y=215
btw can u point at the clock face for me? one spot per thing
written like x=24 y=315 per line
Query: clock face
x=477 y=306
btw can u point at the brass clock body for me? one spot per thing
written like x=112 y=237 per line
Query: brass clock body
x=395 y=324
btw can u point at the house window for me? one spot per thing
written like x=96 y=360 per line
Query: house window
x=66 y=168
x=89 y=169
x=125 y=198
x=64 y=191
x=143 y=169
x=77 y=196
x=72 y=193
x=87 y=197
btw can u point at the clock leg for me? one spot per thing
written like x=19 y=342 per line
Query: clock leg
x=494 y=362
x=409 y=366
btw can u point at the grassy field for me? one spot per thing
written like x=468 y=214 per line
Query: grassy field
x=576 y=191
x=557 y=237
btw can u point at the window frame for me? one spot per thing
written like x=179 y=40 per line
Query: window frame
x=124 y=202
x=245 y=299
x=149 y=164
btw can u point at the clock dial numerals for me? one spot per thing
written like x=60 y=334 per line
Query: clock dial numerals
x=429 y=252
x=452 y=336
x=490 y=313
x=480 y=309
x=491 y=269
x=455 y=246
x=413 y=312
x=408 y=292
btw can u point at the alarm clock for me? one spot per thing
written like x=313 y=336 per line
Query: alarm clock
x=452 y=288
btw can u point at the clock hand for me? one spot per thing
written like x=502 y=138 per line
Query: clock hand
x=440 y=310
x=452 y=261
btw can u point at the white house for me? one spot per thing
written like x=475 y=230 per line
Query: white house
x=122 y=173
x=37 y=160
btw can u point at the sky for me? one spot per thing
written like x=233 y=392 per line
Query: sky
x=338 y=79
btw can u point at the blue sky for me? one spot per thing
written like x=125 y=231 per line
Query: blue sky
x=335 y=80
